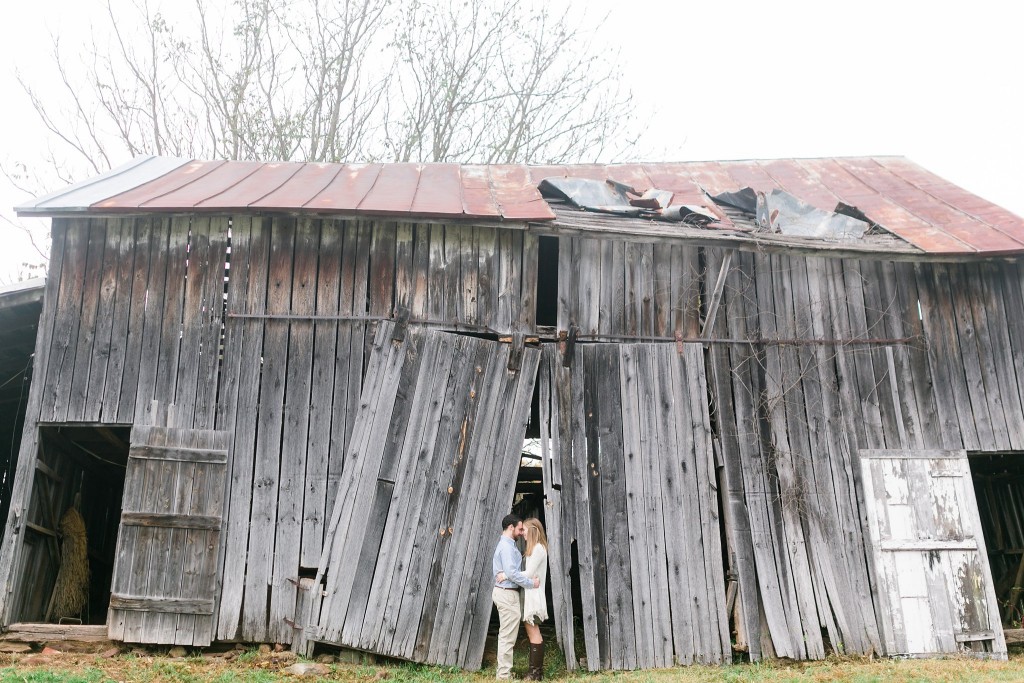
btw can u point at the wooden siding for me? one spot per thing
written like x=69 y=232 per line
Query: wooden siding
x=136 y=312
x=630 y=479
x=430 y=471
x=617 y=290
x=791 y=416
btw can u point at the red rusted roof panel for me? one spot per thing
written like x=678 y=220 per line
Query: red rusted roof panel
x=517 y=195
x=975 y=234
x=346 y=190
x=263 y=181
x=159 y=187
x=539 y=173
x=439 y=191
x=394 y=190
x=300 y=188
x=191 y=195
x=685 y=190
x=880 y=209
x=712 y=176
x=477 y=199
x=1006 y=222
x=749 y=174
x=927 y=211
x=800 y=182
x=632 y=175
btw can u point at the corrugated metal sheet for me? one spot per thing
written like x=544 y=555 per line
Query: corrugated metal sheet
x=919 y=207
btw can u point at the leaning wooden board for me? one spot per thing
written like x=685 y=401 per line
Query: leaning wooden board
x=429 y=472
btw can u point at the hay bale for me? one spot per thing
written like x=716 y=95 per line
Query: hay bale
x=71 y=590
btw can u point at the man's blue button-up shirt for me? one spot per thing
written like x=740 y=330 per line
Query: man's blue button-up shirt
x=508 y=559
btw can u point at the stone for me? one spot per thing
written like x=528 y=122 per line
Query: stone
x=15 y=648
x=283 y=657
x=307 y=669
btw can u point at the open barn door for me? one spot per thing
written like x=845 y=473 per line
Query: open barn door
x=165 y=571
x=429 y=473
x=934 y=585
x=632 y=501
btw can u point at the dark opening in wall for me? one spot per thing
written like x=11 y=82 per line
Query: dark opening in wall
x=547 y=281
x=999 y=488
x=79 y=469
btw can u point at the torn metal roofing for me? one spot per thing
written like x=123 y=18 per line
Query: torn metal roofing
x=926 y=211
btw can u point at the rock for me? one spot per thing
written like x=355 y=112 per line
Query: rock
x=307 y=669
x=284 y=657
x=112 y=652
x=177 y=652
x=326 y=659
x=15 y=648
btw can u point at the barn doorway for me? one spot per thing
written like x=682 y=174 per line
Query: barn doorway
x=72 y=524
x=999 y=488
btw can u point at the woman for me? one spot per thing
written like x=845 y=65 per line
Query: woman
x=535 y=603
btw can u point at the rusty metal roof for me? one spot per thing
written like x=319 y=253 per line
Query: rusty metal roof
x=903 y=198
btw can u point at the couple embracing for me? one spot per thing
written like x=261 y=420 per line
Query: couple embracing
x=519 y=594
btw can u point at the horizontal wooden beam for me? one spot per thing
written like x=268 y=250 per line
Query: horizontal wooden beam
x=146 y=452
x=929 y=545
x=196 y=606
x=38 y=633
x=172 y=521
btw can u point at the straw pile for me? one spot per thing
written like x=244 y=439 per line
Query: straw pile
x=71 y=591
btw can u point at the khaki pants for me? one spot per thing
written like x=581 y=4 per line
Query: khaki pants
x=509 y=614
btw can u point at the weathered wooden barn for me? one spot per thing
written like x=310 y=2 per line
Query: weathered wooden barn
x=290 y=402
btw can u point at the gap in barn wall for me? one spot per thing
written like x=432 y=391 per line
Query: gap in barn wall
x=547 y=281
x=999 y=488
x=79 y=480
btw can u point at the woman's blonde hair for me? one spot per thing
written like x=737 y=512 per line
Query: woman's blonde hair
x=534 y=535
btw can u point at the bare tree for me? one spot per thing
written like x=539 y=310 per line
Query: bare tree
x=492 y=81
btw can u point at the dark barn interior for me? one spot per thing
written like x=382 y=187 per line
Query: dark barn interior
x=20 y=308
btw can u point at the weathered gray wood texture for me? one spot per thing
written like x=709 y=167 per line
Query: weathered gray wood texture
x=791 y=416
x=630 y=481
x=429 y=473
x=165 y=569
x=611 y=289
x=934 y=584
x=134 y=313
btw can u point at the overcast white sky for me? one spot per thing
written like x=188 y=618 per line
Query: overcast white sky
x=939 y=82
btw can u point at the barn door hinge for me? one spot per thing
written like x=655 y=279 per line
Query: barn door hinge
x=401 y=324
x=567 y=344
x=515 y=356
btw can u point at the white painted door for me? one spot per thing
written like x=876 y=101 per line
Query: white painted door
x=933 y=580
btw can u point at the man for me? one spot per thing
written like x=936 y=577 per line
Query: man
x=507 y=562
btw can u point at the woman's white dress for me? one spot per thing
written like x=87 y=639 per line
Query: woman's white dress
x=535 y=603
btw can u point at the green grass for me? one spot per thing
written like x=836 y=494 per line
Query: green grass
x=256 y=667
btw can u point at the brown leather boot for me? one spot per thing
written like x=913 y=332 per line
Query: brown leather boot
x=536 y=662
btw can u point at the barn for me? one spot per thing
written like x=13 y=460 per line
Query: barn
x=776 y=406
